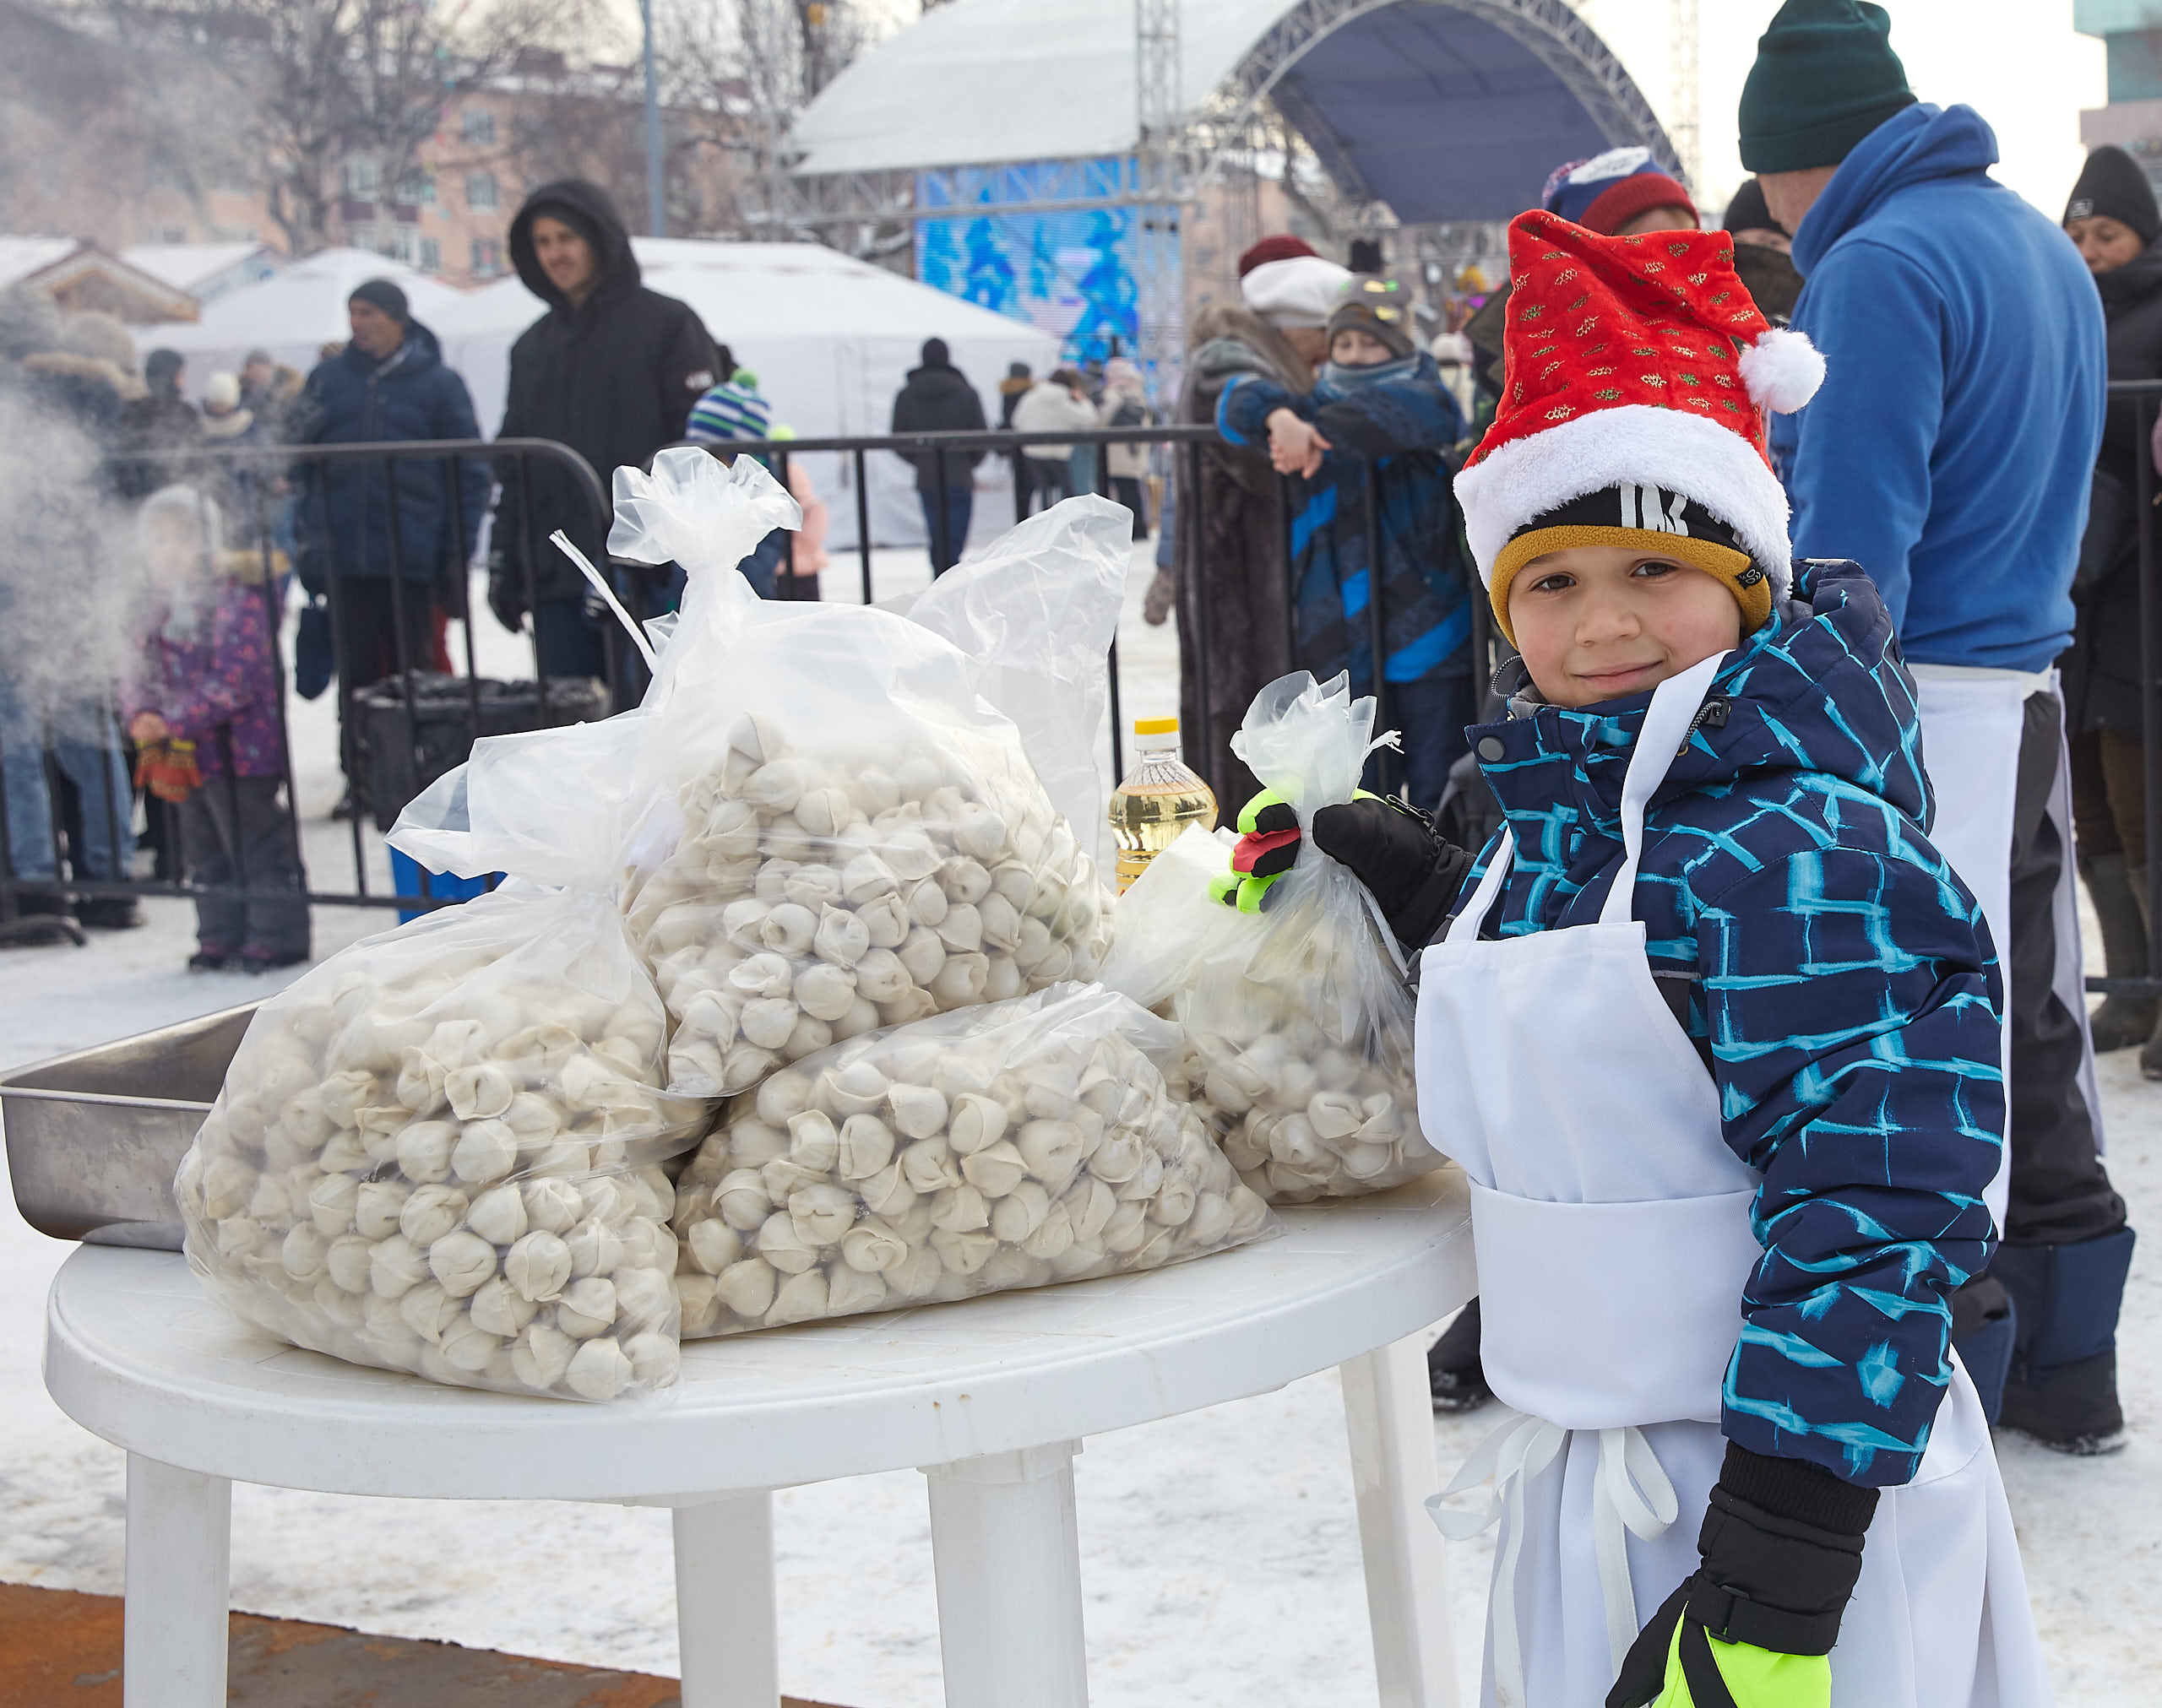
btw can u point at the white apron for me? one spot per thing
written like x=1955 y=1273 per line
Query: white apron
x=1972 y=723
x=1611 y=1225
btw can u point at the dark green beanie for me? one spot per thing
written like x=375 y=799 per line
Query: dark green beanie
x=1825 y=77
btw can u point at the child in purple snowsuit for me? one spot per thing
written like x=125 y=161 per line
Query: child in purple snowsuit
x=210 y=679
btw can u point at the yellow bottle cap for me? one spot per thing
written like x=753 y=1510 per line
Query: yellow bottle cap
x=1155 y=726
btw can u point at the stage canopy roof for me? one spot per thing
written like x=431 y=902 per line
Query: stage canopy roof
x=1443 y=109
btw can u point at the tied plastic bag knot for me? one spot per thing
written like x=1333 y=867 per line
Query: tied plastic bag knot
x=697 y=510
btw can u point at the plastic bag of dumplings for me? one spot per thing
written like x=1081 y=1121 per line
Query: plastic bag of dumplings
x=439 y=1151
x=1011 y=1144
x=841 y=832
x=1298 y=1020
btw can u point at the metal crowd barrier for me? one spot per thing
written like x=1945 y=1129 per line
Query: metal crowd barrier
x=1186 y=441
x=212 y=470
x=2146 y=399
x=210 y=465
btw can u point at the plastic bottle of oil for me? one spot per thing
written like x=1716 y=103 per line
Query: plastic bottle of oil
x=1160 y=798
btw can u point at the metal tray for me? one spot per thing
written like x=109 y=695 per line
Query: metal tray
x=94 y=1137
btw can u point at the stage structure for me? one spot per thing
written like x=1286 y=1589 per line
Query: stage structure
x=1048 y=152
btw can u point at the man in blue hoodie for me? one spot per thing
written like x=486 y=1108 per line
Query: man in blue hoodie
x=1949 y=452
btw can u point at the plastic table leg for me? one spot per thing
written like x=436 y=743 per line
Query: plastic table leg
x=1006 y=1553
x=726 y=1625
x=1389 y=1413
x=179 y=1563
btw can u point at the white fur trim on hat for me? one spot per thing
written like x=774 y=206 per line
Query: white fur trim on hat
x=1782 y=370
x=1640 y=442
x=1302 y=291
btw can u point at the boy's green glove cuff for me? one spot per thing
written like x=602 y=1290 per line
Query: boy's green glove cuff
x=1702 y=1671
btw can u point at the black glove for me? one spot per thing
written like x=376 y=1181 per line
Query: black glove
x=1780 y=1550
x=1393 y=850
x=507 y=597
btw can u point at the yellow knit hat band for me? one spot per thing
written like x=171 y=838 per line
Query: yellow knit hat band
x=1734 y=569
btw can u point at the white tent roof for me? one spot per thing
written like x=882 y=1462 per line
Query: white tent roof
x=830 y=338
x=1045 y=79
x=21 y=256
x=190 y=266
x=293 y=315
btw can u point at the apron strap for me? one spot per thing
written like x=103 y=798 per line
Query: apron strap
x=1630 y=1491
x=1464 y=928
x=1667 y=727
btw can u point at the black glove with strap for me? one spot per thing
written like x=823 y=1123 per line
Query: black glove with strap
x=1780 y=1550
x=1393 y=848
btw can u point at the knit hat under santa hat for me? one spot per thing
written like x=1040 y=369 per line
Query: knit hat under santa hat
x=1638 y=373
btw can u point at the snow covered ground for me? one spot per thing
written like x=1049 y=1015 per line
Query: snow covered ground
x=1219 y=1555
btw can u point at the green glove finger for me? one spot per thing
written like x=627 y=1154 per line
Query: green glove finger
x=1754 y=1677
x=1253 y=893
x=1224 y=887
x=1265 y=814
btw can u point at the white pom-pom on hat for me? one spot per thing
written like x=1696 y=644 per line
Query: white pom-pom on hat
x=1782 y=370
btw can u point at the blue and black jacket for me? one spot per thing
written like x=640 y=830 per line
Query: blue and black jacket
x=1405 y=425
x=1837 y=978
x=352 y=399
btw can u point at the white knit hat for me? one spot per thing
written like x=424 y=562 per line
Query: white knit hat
x=1300 y=292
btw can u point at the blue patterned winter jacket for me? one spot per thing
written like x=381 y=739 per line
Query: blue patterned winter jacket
x=1839 y=979
x=1403 y=424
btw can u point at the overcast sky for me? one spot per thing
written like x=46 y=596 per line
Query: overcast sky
x=2015 y=61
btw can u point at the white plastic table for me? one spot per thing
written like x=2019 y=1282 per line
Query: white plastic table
x=989 y=1396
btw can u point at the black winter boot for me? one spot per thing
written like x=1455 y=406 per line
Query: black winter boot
x=1453 y=1371
x=2122 y=1021
x=2062 y=1389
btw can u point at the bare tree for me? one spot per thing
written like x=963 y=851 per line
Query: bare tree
x=316 y=83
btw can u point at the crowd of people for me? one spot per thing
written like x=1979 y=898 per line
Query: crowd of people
x=380 y=553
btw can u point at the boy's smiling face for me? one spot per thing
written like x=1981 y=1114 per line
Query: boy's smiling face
x=1601 y=622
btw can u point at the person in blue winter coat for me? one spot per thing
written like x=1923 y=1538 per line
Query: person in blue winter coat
x=1952 y=454
x=1713 y=1029
x=1377 y=397
x=389 y=384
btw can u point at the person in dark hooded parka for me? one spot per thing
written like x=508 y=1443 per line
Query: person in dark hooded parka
x=611 y=369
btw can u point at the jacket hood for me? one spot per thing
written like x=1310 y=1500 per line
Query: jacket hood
x=1229 y=337
x=2132 y=284
x=1916 y=144
x=423 y=351
x=89 y=370
x=586 y=208
x=1821 y=688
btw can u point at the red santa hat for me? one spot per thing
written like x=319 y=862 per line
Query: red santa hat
x=1638 y=373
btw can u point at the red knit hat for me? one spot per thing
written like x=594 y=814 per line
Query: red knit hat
x=1283 y=246
x=1637 y=370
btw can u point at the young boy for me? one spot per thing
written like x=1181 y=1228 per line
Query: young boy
x=1714 y=1034
x=1377 y=396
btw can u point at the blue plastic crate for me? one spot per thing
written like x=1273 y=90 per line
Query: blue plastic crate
x=405 y=880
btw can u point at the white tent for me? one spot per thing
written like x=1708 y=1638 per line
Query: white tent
x=830 y=338
x=292 y=315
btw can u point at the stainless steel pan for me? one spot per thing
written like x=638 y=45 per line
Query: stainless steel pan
x=94 y=1137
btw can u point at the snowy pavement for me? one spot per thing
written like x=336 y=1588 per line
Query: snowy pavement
x=1220 y=1553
